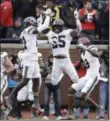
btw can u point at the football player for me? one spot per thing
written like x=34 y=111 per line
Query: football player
x=87 y=83
x=60 y=40
x=7 y=68
x=31 y=68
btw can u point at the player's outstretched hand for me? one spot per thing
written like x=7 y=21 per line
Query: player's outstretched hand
x=81 y=46
x=48 y=12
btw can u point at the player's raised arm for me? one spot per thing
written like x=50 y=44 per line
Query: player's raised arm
x=33 y=29
x=43 y=27
x=95 y=52
x=42 y=39
x=84 y=44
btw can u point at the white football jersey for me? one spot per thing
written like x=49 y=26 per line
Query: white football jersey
x=91 y=62
x=2 y=58
x=30 y=43
x=60 y=42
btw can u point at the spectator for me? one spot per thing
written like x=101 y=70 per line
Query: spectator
x=49 y=88
x=88 y=17
x=26 y=9
x=55 y=9
x=104 y=83
x=98 y=4
x=6 y=17
x=105 y=22
x=69 y=15
x=16 y=30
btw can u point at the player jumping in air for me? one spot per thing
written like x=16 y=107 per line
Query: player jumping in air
x=87 y=83
x=30 y=63
x=60 y=40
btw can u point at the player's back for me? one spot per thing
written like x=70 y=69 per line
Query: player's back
x=60 y=42
x=29 y=42
x=91 y=62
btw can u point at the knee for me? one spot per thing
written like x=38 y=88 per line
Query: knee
x=83 y=95
x=71 y=91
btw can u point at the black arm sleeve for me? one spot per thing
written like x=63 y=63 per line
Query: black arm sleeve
x=63 y=15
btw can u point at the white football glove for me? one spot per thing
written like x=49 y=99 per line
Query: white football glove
x=81 y=46
x=48 y=12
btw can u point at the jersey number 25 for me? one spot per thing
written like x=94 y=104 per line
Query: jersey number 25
x=60 y=43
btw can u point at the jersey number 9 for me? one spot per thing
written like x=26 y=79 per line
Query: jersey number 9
x=60 y=43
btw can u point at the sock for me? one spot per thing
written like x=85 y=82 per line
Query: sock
x=70 y=110
x=36 y=100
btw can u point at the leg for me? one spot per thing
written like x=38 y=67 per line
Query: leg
x=35 y=89
x=36 y=81
x=71 y=93
x=23 y=83
x=102 y=96
x=86 y=111
x=30 y=92
x=47 y=94
x=56 y=94
x=77 y=105
x=72 y=90
x=87 y=89
x=19 y=109
x=57 y=72
x=22 y=96
x=14 y=93
x=71 y=71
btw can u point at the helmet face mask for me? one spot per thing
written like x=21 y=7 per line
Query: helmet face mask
x=57 y=29
x=58 y=26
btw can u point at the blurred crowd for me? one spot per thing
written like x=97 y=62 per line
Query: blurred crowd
x=93 y=15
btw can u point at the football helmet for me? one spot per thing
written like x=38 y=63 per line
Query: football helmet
x=84 y=41
x=30 y=21
x=58 y=25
